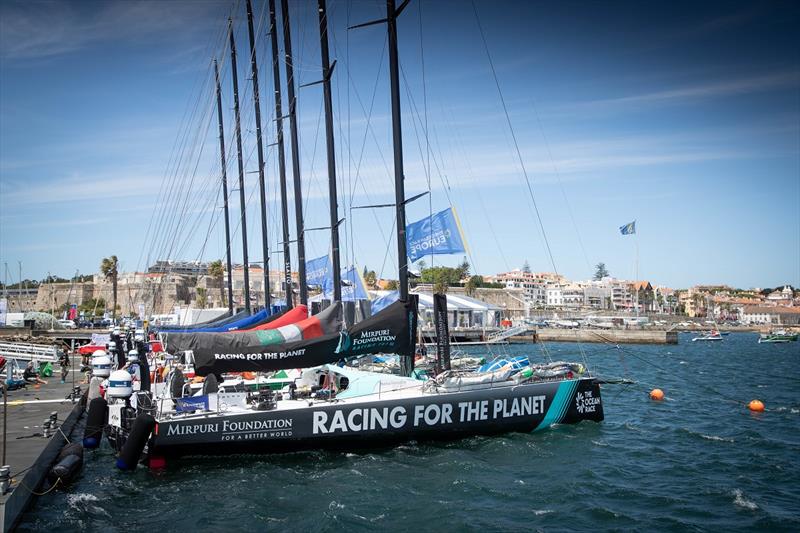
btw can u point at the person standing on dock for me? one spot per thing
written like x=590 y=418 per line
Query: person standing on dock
x=63 y=361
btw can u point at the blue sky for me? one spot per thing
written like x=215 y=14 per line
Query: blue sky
x=684 y=116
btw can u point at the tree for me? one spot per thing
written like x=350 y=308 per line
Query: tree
x=446 y=275
x=370 y=278
x=202 y=298
x=440 y=284
x=391 y=285
x=217 y=273
x=109 y=270
x=90 y=305
x=526 y=267
x=463 y=269
x=473 y=283
x=601 y=271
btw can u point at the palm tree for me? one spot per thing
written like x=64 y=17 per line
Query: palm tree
x=109 y=270
x=217 y=272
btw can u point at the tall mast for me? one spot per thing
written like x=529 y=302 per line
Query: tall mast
x=406 y=361
x=298 y=191
x=242 y=199
x=327 y=70
x=257 y=104
x=224 y=190
x=276 y=79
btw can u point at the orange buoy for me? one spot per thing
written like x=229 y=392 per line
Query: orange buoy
x=756 y=406
x=657 y=395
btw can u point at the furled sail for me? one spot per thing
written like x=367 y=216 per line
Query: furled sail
x=293 y=315
x=247 y=321
x=218 y=321
x=311 y=342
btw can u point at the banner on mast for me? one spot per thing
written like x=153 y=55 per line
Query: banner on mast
x=318 y=272
x=438 y=234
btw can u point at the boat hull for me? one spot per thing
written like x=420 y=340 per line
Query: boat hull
x=360 y=425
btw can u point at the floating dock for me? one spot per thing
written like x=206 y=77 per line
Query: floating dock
x=26 y=450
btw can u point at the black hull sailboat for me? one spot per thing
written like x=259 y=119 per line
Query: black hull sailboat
x=328 y=405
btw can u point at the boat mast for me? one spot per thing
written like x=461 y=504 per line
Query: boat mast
x=327 y=71
x=298 y=190
x=257 y=104
x=276 y=79
x=242 y=199
x=406 y=361
x=224 y=190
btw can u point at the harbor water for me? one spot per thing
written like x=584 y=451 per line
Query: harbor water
x=698 y=460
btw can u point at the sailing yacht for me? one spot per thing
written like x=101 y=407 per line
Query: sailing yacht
x=325 y=404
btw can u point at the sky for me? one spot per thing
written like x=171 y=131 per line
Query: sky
x=683 y=116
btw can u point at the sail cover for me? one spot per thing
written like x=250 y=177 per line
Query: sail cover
x=311 y=342
x=218 y=321
x=243 y=323
x=296 y=314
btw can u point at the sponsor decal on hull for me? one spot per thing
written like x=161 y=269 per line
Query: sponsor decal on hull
x=521 y=408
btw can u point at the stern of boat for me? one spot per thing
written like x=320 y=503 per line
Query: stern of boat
x=585 y=402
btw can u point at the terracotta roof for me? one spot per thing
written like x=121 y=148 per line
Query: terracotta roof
x=771 y=310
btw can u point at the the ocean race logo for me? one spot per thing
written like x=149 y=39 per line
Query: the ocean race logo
x=586 y=402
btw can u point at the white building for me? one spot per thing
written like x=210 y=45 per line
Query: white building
x=782 y=297
x=555 y=297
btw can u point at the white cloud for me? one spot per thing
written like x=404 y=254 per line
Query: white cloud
x=753 y=84
x=30 y=29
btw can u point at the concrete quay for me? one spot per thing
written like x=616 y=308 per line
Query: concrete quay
x=613 y=336
x=25 y=448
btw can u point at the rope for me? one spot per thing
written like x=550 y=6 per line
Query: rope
x=633 y=353
x=23 y=485
x=514 y=137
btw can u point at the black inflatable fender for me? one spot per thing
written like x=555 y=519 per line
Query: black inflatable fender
x=68 y=463
x=132 y=449
x=95 y=422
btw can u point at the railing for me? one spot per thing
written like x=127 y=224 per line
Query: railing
x=503 y=334
x=17 y=350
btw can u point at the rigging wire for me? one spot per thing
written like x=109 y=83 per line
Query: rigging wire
x=514 y=137
x=560 y=182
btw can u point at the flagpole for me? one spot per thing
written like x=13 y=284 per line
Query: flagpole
x=636 y=268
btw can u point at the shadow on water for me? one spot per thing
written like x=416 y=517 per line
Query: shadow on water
x=699 y=461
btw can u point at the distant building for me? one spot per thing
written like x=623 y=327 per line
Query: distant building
x=533 y=284
x=774 y=315
x=784 y=296
x=597 y=295
x=643 y=296
x=186 y=268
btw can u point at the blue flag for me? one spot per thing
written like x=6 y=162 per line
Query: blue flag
x=353 y=286
x=318 y=272
x=437 y=234
x=628 y=229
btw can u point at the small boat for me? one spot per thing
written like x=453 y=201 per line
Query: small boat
x=712 y=335
x=777 y=336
